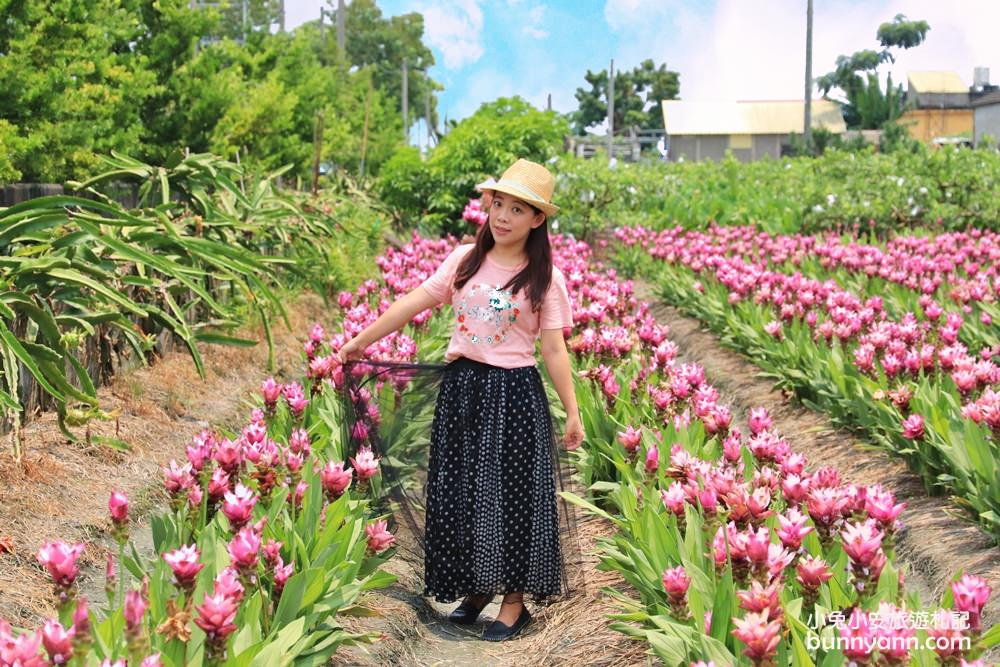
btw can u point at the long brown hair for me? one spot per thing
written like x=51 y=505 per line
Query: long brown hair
x=536 y=275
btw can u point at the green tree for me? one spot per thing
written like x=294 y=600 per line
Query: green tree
x=865 y=106
x=482 y=145
x=72 y=86
x=383 y=43
x=638 y=94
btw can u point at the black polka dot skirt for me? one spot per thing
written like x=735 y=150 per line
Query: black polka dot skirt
x=491 y=522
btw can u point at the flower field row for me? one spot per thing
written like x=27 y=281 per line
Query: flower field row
x=731 y=543
x=841 y=191
x=907 y=357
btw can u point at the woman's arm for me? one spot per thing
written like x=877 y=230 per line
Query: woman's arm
x=557 y=364
x=394 y=318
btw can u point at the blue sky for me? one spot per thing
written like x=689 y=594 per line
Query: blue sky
x=723 y=49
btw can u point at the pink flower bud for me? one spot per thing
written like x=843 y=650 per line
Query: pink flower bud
x=118 y=506
x=675 y=583
x=59 y=559
x=379 y=538
x=135 y=608
x=58 y=642
x=185 y=565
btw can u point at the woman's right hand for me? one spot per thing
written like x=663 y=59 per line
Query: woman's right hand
x=351 y=350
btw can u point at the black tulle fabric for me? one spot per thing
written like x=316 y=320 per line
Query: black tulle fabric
x=470 y=461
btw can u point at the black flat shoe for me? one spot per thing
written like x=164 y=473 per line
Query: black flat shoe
x=497 y=632
x=467 y=612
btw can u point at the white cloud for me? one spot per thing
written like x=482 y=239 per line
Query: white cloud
x=454 y=28
x=744 y=50
x=533 y=19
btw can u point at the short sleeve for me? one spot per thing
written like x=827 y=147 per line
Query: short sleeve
x=439 y=284
x=557 y=311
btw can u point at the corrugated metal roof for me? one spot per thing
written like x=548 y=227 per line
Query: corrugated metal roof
x=688 y=117
x=935 y=82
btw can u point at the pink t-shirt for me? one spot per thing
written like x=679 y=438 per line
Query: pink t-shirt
x=491 y=324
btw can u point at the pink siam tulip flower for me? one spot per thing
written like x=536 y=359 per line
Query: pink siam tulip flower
x=57 y=640
x=135 y=609
x=271 y=391
x=773 y=329
x=652 y=459
x=365 y=464
x=862 y=541
x=20 y=652
x=732 y=446
x=59 y=559
x=218 y=485
x=858 y=636
x=243 y=549
x=335 y=479
x=359 y=432
x=238 y=506
x=893 y=633
x=758 y=544
x=673 y=498
x=177 y=479
x=880 y=505
x=227 y=583
x=298 y=442
x=345 y=299
x=793 y=528
x=255 y=433
x=970 y=595
x=760 y=636
x=379 y=538
x=630 y=438
x=282 y=573
x=152 y=661
x=676 y=582
x=300 y=493
x=794 y=489
x=216 y=615
x=762 y=599
x=272 y=551
x=759 y=420
x=913 y=427
x=118 y=506
x=813 y=572
x=229 y=455
x=758 y=504
x=185 y=565
x=81 y=620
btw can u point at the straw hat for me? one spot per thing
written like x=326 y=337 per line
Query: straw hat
x=529 y=181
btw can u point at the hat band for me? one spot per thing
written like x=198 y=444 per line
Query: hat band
x=520 y=188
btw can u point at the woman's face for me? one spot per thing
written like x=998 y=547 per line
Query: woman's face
x=511 y=220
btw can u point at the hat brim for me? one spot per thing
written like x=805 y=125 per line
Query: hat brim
x=496 y=186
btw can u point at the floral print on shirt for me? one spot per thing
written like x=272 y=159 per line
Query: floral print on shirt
x=486 y=313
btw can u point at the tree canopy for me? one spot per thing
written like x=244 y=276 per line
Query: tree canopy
x=149 y=78
x=866 y=106
x=638 y=94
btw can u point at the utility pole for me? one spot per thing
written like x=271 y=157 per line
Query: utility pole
x=406 y=108
x=364 y=136
x=317 y=150
x=322 y=13
x=548 y=105
x=244 y=24
x=427 y=114
x=611 y=111
x=341 y=21
x=281 y=19
x=807 y=132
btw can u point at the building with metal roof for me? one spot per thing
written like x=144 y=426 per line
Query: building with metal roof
x=699 y=130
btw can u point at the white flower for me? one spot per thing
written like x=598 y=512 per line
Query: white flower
x=914 y=211
x=909 y=201
x=831 y=199
x=818 y=208
x=866 y=203
x=923 y=190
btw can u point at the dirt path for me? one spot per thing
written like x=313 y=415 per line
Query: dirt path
x=935 y=543
x=573 y=632
x=61 y=490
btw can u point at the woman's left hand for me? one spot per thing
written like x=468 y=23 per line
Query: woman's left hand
x=574 y=432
